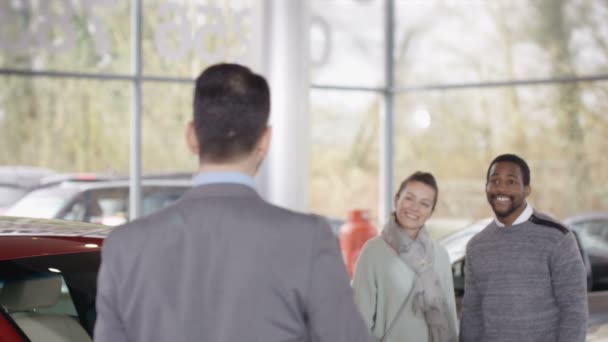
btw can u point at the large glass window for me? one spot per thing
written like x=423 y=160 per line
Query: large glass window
x=64 y=124
x=472 y=79
x=558 y=129
x=180 y=38
x=65 y=35
x=71 y=74
x=344 y=167
x=347 y=43
x=164 y=126
x=479 y=41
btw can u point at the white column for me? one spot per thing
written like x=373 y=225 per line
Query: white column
x=283 y=179
x=387 y=140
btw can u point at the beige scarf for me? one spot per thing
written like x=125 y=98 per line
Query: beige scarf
x=427 y=295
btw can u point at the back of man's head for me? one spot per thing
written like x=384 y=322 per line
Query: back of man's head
x=231 y=109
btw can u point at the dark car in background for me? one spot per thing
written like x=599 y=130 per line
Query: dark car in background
x=98 y=201
x=48 y=274
x=592 y=229
x=16 y=181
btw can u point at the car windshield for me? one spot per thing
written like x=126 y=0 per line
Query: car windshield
x=592 y=233
x=42 y=203
x=9 y=195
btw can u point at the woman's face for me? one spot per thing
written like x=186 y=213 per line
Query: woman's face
x=414 y=205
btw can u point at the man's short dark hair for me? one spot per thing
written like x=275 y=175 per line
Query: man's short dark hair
x=231 y=110
x=523 y=166
x=422 y=177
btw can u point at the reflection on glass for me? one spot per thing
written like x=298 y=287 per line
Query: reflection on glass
x=181 y=38
x=346 y=42
x=344 y=152
x=83 y=36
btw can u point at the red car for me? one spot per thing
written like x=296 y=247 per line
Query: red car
x=48 y=275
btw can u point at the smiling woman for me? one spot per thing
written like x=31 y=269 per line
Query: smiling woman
x=404 y=263
x=415 y=202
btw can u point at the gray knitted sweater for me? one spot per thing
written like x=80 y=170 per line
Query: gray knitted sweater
x=526 y=282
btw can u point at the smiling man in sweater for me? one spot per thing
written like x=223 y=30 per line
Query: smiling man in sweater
x=524 y=276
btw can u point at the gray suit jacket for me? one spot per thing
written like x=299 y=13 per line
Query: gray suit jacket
x=223 y=265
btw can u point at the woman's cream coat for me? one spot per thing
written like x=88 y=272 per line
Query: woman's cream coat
x=381 y=283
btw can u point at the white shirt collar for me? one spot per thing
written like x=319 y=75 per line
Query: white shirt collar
x=524 y=216
x=215 y=177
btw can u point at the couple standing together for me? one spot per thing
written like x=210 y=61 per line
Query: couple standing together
x=223 y=265
x=524 y=275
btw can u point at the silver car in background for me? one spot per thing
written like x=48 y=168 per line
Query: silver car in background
x=105 y=202
x=17 y=181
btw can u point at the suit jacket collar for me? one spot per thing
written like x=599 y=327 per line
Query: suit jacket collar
x=220 y=190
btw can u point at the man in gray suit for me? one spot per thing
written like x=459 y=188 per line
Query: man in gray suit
x=221 y=264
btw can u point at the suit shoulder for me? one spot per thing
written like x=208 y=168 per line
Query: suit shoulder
x=547 y=221
x=124 y=234
x=297 y=219
x=146 y=226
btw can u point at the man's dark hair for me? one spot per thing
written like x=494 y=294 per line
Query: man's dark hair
x=231 y=109
x=422 y=177
x=512 y=158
